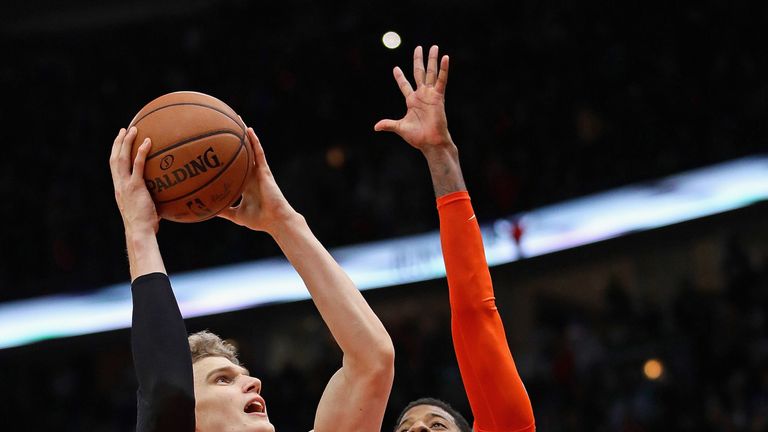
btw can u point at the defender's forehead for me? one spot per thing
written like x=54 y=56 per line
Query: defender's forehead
x=426 y=412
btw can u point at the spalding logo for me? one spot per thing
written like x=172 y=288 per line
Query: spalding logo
x=193 y=168
x=166 y=162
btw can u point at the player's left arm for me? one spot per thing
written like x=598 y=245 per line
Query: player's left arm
x=495 y=391
x=161 y=358
x=356 y=396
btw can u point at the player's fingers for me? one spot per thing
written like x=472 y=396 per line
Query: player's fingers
x=141 y=159
x=386 y=126
x=252 y=184
x=124 y=157
x=432 y=66
x=258 y=152
x=229 y=213
x=442 y=77
x=402 y=81
x=418 y=66
x=116 y=179
x=116 y=146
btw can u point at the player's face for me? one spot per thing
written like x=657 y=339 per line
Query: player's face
x=427 y=418
x=227 y=399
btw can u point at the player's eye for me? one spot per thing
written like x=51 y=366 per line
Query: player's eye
x=438 y=426
x=223 y=379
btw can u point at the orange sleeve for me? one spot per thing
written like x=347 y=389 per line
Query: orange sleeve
x=495 y=391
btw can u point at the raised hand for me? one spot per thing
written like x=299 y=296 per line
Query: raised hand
x=263 y=206
x=424 y=125
x=133 y=199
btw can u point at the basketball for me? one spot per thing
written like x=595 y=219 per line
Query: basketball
x=200 y=155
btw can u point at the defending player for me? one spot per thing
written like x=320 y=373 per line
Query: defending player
x=495 y=391
x=214 y=393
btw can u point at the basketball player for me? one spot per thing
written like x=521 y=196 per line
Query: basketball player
x=212 y=392
x=495 y=391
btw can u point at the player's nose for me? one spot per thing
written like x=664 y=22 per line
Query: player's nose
x=418 y=427
x=252 y=385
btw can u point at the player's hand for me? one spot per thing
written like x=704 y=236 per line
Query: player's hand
x=263 y=206
x=424 y=125
x=133 y=199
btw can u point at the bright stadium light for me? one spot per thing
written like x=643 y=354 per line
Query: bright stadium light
x=391 y=40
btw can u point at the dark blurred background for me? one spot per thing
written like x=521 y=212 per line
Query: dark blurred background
x=546 y=102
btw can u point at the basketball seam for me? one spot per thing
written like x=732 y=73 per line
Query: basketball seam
x=190 y=103
x=195 y=138
x=226 y=204
x=223 y=170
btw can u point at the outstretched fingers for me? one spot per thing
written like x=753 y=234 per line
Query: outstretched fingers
x=418 y=67
x=386 y=125
x=432 y=66
x=402 y=82
x=442 y=77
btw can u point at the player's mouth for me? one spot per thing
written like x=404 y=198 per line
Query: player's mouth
x=256 y=406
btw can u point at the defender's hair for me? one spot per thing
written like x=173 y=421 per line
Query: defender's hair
x=206 y=344
x=461 y=422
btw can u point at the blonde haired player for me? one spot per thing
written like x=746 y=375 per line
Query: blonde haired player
x=495 y=391
x=214 y=393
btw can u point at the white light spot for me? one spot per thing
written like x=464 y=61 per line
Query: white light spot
x=391 y=40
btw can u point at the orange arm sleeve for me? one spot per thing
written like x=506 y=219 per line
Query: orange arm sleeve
x=496 y=393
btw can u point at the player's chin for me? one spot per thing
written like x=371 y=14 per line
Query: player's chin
x=260 y=423
x=264 y=427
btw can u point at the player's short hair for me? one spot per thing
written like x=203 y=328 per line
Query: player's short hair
x=206 y=344
x=461 y=422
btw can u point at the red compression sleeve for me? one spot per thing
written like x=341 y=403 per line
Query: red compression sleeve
x=496 y=393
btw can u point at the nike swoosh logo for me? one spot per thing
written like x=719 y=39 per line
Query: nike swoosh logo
x=473 y=217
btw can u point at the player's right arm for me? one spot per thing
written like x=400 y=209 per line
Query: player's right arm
x=161 y=356
x=495 y=391
x=356 y=396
